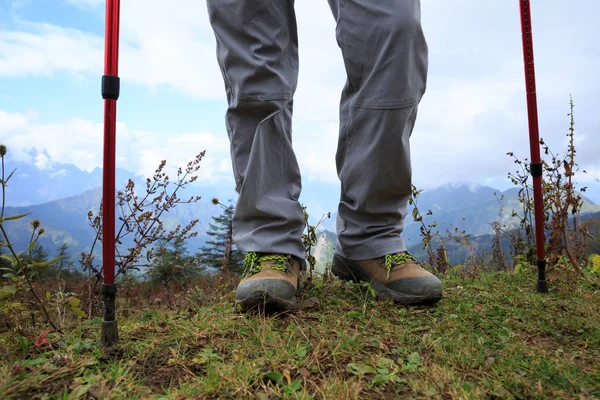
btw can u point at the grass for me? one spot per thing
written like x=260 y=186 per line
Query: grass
x=490 y=337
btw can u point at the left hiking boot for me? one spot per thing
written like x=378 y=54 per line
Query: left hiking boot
x=398 y=276
x=270 y=283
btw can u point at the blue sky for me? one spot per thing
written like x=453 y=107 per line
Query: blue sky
x=172 y=99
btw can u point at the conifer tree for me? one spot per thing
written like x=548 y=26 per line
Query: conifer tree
x=174 y=264
x=63 y=252
x=220 y=252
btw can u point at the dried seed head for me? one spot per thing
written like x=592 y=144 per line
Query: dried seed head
x=35 y=223
x=2 y=150
x=215 y=201
x=41 y=232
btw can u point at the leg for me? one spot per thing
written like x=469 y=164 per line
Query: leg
x=385 y=54
x=257 y=51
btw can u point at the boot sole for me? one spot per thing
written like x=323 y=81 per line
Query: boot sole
x=348 y=272
x=262 y=301
x=268 y=299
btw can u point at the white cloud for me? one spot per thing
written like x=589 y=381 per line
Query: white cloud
x=60 y=173
x=47 y=49
x=79 y=142
x=41 y=161
x=316 y=153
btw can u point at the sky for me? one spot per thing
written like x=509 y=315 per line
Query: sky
x=172 y=102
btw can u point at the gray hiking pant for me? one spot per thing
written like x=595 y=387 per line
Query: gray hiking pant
x=385 y=55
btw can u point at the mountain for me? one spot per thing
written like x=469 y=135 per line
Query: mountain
x=467 y=207
x=31 y=185
x=61 y=196
x=471 y=209
x=66 y=221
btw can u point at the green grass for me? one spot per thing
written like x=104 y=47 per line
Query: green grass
x=490 y=337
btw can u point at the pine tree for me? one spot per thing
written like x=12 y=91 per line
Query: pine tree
x=63 y=267
x=174 y=264
x=39 y=253
x=65 y=261
x=220 y=252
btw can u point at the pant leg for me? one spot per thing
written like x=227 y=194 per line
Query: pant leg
x=386 y=58
x=257 y=51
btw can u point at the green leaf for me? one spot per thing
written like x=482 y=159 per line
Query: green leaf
x=385 y=362
x=413 y=363
x=72 y=304
x=7 y=257
x=360 y=369
x=594 y=262
x=518 y=268
x=275 y=377
x=301 y=352
x=46 y=263
x=13 y=217
x=10 y=176
x=9 y=275
x=414 y=358
x=7 y=291
x=73 y=301
x=296 y=385
x=80 y=391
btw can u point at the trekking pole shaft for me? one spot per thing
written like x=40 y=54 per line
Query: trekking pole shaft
x=534 y=141
x=110 y=94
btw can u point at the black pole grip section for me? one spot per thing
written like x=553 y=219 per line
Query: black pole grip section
x=536 y=169
x=110 y=331
x=111 y=86
x=542 y=283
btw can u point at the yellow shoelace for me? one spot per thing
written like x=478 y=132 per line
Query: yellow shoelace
x=391 y=260
x=253 y=263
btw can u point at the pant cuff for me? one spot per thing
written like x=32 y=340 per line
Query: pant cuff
x=367 y=253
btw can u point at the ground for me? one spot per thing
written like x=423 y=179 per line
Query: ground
x=490 y=337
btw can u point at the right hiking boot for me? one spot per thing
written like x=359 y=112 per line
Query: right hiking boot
x=398 y=276
x=270 y=283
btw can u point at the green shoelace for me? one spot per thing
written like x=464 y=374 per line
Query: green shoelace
x=391 y=260
x=253 y=263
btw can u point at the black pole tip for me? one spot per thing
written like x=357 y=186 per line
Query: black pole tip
x=110 y=333
x=110 y=330
x=542 y=283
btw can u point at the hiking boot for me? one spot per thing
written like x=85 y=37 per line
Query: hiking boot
x=270 y=283
x=398 y=276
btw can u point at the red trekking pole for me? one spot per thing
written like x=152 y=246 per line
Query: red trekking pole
x=110 y=94
x=536 y=168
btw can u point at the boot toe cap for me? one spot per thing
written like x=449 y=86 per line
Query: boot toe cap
x=269 y=295
x=427 y=288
